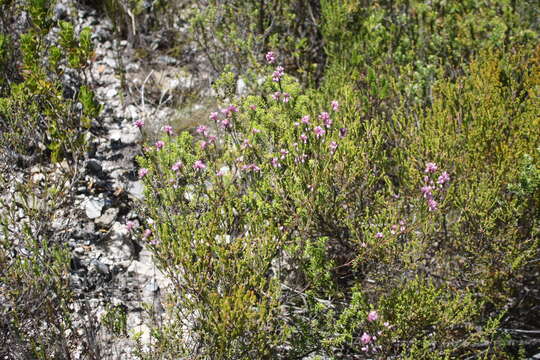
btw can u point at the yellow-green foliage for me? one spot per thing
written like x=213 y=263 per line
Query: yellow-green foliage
x=341 y=222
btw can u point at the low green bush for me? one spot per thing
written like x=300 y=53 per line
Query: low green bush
x=300 y=224
x=42 y=138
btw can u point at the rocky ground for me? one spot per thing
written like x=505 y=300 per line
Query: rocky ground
x=113 y=271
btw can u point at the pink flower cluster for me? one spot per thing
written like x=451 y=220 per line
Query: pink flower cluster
x=278 y=74
x=429 y=187
x=368 y=340
x=225 y=122
x=270 y=57
x=167 y=129
x=285 y=97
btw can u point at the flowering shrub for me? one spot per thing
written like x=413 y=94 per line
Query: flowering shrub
x=294 y=227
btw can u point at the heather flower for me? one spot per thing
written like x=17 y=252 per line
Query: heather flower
x=393 y=229
x=276 y=95
x=373 y=316
x=278 y=74
x=431 y=167
x=130 y=225
x=270 y=57
x=301 y=159
x=319 y=131
x=366 y=338
x=426 y=191
x=253 y=107
x=286 y=97
x=333 y=146
x=177 y=166
x=379 y=235
x=220 y=172
x=245 y=144
x=214 y=116
x=159 y=144
x=251 y=167
x=305 y=119
x=325 y=117
x=443 y=178
x=203 y=144
x=232 y=109
x=342 y=132
x=303 y=137
x=167 y=129
x=199 y=165
x=432 y=205
x=146 y=233
x=283 y=153
x=225 y=123
x=139 y=123
x=255 y=131
x=201 y=129
x=211 y=139
x=143 y=172
x=335 y=106
x=275 y=162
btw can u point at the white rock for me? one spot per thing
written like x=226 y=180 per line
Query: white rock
x=93 y=207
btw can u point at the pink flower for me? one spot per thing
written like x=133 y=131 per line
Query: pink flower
x=426 y=191
x=443 y=178
x=225 y=123
x=324 y=116
x=335 y=106
x=245 y=144
x=342 y=132
x=430 y=167
x=372 y=316
x=278 y=74
x=220 y=173
x=255 y=131
x=214 y=116
x=130 y=225
x=159 y=144
x=276 y=95
x=199 y=165
x=393 y=229
x=366 y=338
x=432 y=205
x=283 y=153
x=251 y=167
x=301 y=159
x=296 y=124
x=201 y=129
x=139 y=123
x=211 y=139
x=303 y=137
x=319 y=131
x=305 y=119
x=203 y=144
x=333 y=146
x=143 y=172
x=177 y=166
x=147 y=233
x=270 y=57
x=275 y=162
x=379 y=235
x=286 y=97
x=253 y=107
x=167 y=129
x=232 y=109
